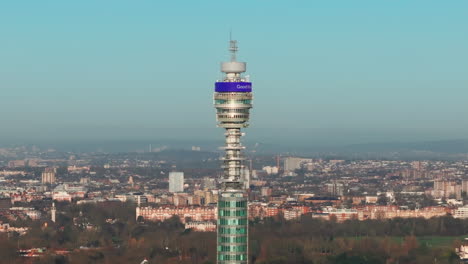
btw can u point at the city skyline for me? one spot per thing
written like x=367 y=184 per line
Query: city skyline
x=344 y=73
x=357 y=153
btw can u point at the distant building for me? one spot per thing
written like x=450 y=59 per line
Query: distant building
x=12 y=173
x=392 y=211
x=62 y=196
x=201 y=226
x=270 y=170
x=339 y=215
x=176 y=182
x=209 y=197
x=323 y=200
x=48 y=176
x=137 y=197
x=64 y=191
x=461 y=212
x=292 y=213
x=30 y=212
x=245 y=174
x=76 y=169
x=464 y=187
x=209 y=183
x=265 y=191
x=371 y=199
x=85 y=180
x=335 y=188
x=6 y=228
x=293 y=163
x=446 y=189
x=180 y=199
x=289 y=212
x=17 y=163
x=194 y=213
x=53 y=212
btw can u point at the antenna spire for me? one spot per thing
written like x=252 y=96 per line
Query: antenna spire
x=232 y=47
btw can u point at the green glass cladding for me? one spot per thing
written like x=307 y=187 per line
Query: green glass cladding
x=232 y=228
x=233 y=204
x=225 y=258
x=224 y=221
x=225 y=212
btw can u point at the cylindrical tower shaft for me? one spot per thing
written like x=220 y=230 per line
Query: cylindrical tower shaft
x=233 y=100
x=232 y=227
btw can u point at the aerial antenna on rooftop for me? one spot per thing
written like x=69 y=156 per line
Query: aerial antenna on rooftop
x=232 y=47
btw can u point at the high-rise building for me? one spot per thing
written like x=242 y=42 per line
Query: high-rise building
x=176 y=182
x=335 y=188
x=464 y=187
x=233 y=100
x=48 y=176
x=447 y=189
x=246 y=177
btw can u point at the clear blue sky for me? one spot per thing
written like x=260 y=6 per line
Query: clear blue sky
x=325 y=71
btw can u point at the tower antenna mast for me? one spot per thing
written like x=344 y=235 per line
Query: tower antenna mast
x=233 y=48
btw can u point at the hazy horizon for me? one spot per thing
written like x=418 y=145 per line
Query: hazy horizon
x=323 y=73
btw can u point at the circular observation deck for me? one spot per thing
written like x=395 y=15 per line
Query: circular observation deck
x=233 y=101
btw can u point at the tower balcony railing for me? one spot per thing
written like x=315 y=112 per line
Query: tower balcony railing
x=232 y=148
x=233 y=125
x=232 y=158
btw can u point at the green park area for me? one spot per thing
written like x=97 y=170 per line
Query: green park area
x=428 y=241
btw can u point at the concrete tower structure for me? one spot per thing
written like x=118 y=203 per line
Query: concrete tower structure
x=53 y=211
x=233 y=100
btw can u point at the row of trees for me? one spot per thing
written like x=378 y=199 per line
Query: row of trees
x=314 y=227
x=373 y=241
x=109 y=233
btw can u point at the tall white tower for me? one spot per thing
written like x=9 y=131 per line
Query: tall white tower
x=233 y=100
x=53 y=211
x=176 y=182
